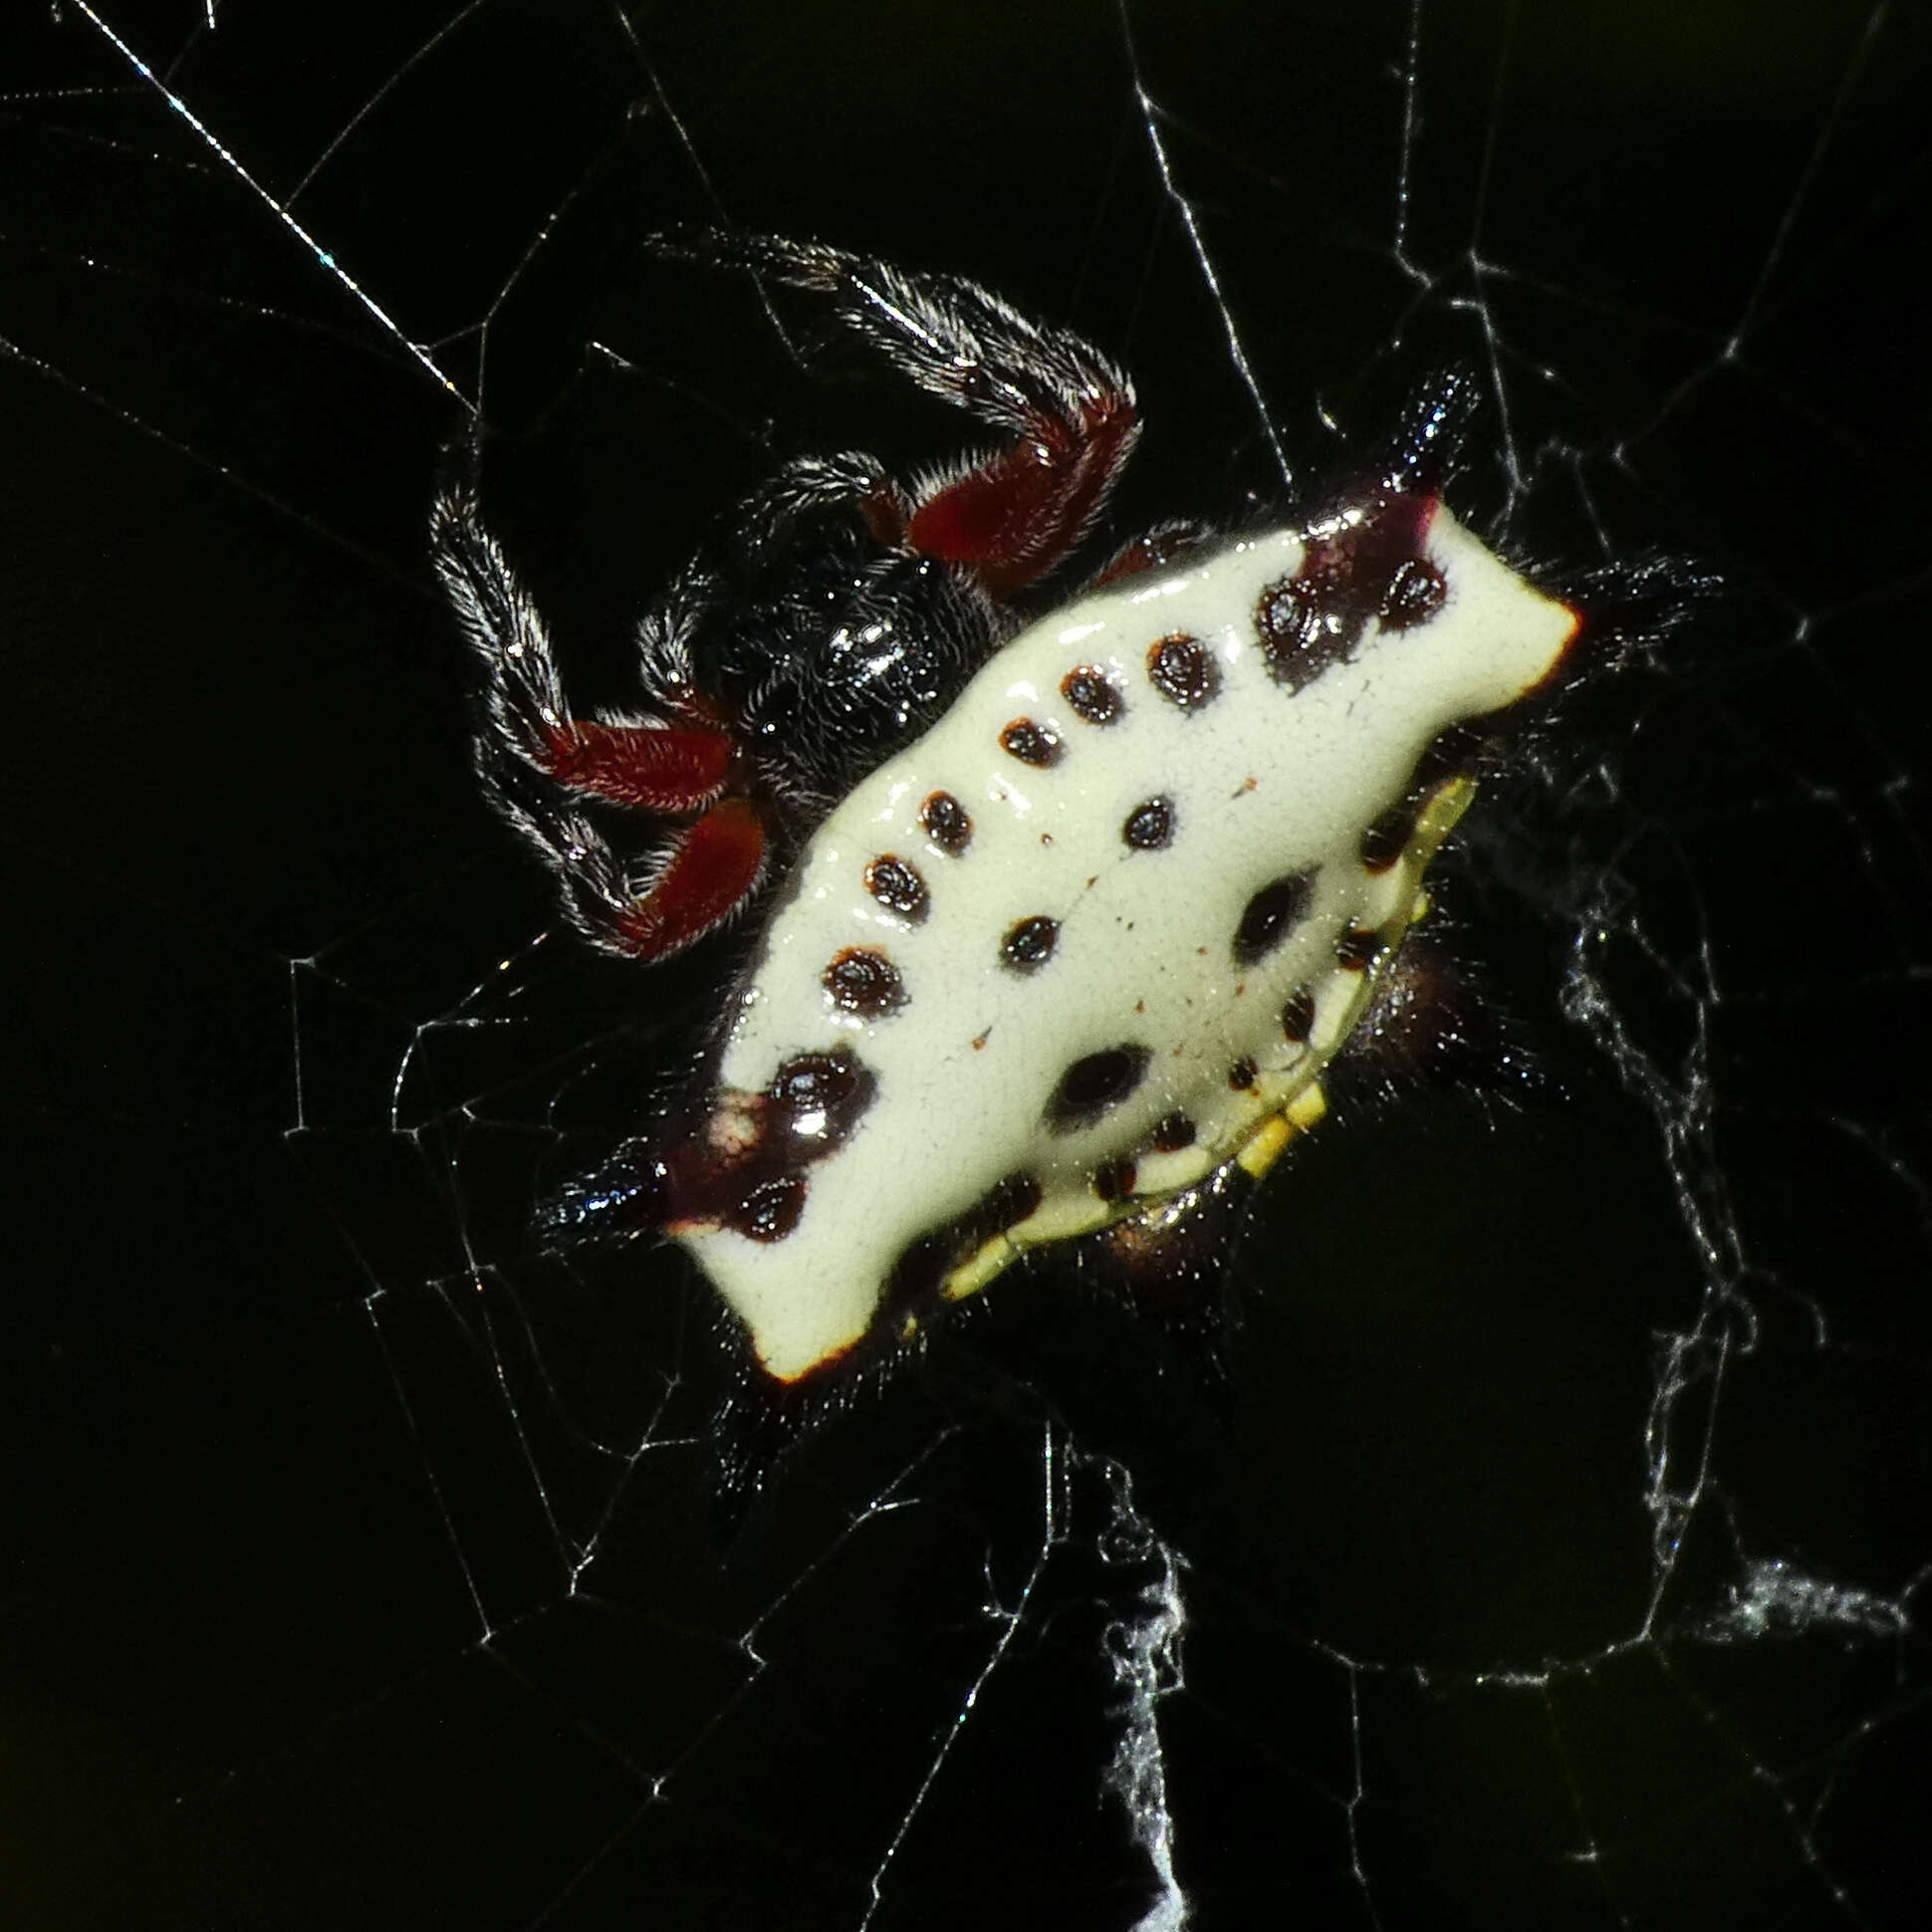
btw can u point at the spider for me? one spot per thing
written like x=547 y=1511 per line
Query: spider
x=1082 y=908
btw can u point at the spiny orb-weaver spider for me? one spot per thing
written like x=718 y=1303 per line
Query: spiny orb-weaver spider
x=1082 y=901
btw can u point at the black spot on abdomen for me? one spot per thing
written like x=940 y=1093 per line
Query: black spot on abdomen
x=1359 y=948
x=1030 y=743
x=1384 y=841
x=1149 y=826
x=1092 y=694
x=948 y=822
x=863 y=980
x=771 y=1209
x=1271 y=915
x=1004 y=1206
x=1030 y=943
x=1095 y=1084
x=1183 y=670
x=1415 y=593
x=818 y=1098
x=1298 y=1017
x=897 y=887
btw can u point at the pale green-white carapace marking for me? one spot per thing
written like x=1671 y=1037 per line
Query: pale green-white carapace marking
x=1144 y=916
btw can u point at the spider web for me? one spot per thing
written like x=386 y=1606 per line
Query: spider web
x=1544 y=1545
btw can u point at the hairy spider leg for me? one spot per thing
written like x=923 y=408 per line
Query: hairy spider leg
x=1017 y=513
x=536 y=759
x=1071 y=413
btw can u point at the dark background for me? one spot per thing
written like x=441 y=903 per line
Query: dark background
x=362 y=1569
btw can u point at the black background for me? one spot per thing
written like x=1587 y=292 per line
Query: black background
x=304 y=1447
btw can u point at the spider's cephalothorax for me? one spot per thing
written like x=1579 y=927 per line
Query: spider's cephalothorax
x=1083 y=910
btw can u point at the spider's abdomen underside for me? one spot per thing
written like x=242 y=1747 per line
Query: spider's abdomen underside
x=1099 y=931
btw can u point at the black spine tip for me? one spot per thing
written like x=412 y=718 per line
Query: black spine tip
x=1429 y=437
x=621 y=1198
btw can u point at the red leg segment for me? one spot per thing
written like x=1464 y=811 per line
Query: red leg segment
x=711 y=869
x=669 y=768
x=1019 y=512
